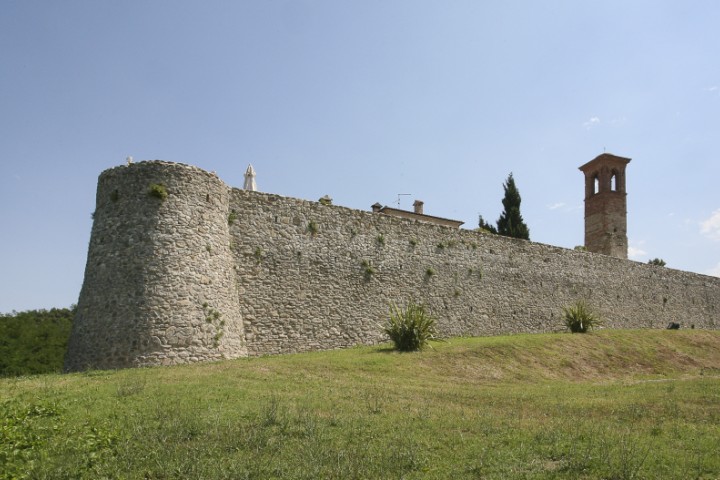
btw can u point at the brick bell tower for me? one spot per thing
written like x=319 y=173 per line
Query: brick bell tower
x=606 y=205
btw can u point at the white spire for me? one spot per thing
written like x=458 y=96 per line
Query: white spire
x=250 y=179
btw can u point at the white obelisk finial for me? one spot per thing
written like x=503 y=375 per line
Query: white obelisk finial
x=250 y=179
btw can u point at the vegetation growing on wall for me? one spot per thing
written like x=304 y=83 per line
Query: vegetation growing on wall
x=485 y=227
x=446 y=244
x=158 y=190
x=313 y=228
x=369 y=270
x=213 y=316
x=34 y=341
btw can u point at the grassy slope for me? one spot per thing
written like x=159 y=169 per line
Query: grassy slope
x=612 y=404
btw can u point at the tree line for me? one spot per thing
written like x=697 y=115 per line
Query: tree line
x=34 y=341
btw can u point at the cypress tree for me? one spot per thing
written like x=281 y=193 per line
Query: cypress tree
x=510 y=223
x=484 y=226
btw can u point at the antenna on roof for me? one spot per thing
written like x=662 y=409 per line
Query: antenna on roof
x=402 y=195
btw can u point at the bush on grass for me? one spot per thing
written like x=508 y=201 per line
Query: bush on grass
x=579 y=317
x=410 y=328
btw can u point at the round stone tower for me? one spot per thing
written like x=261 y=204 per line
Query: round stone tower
x=159 y=286
x=606 y=205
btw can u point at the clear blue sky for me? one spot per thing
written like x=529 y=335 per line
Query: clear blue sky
x=360 y=100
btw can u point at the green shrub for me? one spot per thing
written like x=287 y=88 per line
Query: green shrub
x=34 y=342
x=410 y=328
x=579 y=318
x=158 y=190
x=313 y=228
x=368 y=269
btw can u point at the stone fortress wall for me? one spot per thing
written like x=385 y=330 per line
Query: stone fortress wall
x=157 y=271
x=212 y=272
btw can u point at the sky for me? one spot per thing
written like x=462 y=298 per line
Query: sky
x=360 y=100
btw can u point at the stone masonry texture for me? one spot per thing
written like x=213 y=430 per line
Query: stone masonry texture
x=159 y=286
x=287 y=275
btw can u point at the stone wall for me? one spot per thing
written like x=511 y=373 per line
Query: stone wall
x=213 y=272
x=159 y=286
x=314 y=276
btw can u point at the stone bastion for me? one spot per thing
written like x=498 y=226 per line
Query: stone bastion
x=182 y=268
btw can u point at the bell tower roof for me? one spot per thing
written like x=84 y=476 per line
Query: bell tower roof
x=605 y=159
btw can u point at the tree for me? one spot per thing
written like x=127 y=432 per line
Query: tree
x=484 y=226
x=510 y=223
x=657 y=261
x=34 y=341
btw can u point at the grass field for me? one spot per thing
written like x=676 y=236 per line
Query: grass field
x=611 y=404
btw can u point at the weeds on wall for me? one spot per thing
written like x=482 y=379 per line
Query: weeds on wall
x=312 y=228
x=410 y=328
x=429 y=272
x=579 y=318
x=658 y=262
x=158 y=190
x=413 y=242
x=475 y=271
x=232 y=217
x=368 y=270
x=213 y=317
x=446 y=244
x=380 y=239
